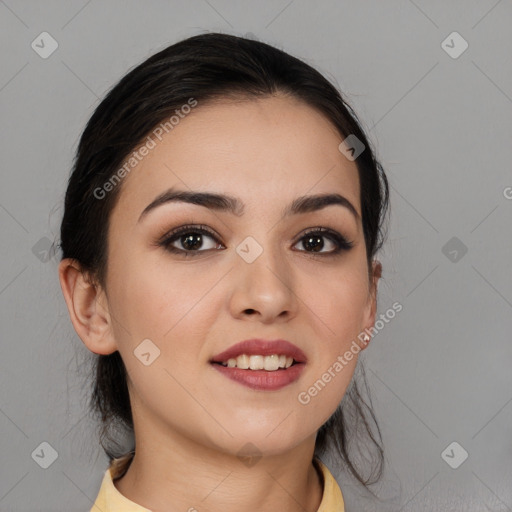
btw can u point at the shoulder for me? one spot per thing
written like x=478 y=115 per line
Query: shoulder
x=332 y=499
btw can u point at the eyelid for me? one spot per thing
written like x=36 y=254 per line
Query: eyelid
x=188 y=228
x=321 y=229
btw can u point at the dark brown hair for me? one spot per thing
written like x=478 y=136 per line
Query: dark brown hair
x=208 y=67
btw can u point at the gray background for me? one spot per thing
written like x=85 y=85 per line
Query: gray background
x=439 y=371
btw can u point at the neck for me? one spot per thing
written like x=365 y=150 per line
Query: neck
x=176 y=474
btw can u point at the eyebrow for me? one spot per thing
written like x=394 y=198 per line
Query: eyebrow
x=233 y=205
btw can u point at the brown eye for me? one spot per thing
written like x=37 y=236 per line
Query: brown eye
x=189 y=240
x=313 y=241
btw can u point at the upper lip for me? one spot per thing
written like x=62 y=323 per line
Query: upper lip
x=255 y=347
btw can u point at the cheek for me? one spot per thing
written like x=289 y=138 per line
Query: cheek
x=170 y=306
x=337 y=300
x=156 y=298
x=335 y=309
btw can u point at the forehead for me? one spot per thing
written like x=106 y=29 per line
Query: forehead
x=266 y=151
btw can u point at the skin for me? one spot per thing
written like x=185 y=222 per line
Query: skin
x=190 y=421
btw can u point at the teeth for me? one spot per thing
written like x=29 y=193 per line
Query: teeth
x=269 y=363
x=242 y=362
x=257 y=362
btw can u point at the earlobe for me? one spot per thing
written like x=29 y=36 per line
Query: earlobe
x=89 y=316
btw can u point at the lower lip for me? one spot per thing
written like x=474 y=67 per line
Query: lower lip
x=262 y=379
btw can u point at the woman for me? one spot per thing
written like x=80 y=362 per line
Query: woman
x=219 y=239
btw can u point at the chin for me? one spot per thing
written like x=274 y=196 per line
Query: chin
x=258 y=442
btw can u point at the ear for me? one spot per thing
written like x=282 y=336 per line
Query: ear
x=87 y=307
x=371 y=309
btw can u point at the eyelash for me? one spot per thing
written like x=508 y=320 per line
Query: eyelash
x=342 y=244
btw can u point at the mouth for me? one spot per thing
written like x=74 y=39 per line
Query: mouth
x=260 y=364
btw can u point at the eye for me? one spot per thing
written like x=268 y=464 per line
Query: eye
x=190 y=241
x=190 y=238
x=313 y=239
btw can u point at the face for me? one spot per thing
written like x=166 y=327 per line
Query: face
x=251 y=274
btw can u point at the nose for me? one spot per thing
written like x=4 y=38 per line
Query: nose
x=264 y=288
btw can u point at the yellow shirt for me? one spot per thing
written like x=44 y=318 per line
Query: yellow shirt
x=109 y=499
